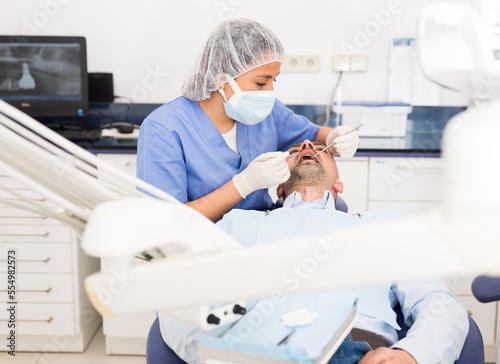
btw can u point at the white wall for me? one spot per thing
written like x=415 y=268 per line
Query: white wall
x=150 y=46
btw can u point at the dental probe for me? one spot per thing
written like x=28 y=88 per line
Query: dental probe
x=331 y=145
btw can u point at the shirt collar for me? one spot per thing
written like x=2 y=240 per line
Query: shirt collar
x=295 y=200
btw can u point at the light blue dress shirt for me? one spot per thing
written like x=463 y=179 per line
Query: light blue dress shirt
x=181 y=151
x=439 y=321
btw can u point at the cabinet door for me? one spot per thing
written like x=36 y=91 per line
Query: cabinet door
x=354 y=175
x=403 y=208
x=136 y=325
x=405 y=179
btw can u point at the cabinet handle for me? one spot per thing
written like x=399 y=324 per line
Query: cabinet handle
x=31 y=290
x=49 y=320
x=419 y=168
x=129 y=163
x=46 y=260
x=38 y=235
x=24 y=217
x=41 y=199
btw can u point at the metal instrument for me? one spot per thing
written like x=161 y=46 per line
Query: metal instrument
x=331 y=145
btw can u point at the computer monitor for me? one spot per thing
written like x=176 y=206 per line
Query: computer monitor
x=44 y=76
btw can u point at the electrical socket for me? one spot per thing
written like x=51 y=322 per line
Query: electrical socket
x=310 y=63
x=341 y=63
x=301 y=63
x=292 y=64
x=359 y=63
x=354 y=63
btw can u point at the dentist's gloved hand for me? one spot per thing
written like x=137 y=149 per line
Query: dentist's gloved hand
x=345 y=144
x=267 y=170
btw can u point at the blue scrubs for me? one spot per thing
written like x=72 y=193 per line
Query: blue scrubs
x=182 y=152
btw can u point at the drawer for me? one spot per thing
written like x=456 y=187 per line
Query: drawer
x=41 y=319
x=34 y=233
x=38 y=258
x=405 y=179
x=403 y=208
x=31 y=287
x=484 y=314
x=14 y=216
x=125 y=162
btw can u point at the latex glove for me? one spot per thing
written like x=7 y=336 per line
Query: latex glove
x=345 y=145
x=267 y=170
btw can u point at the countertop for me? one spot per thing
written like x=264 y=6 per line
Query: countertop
x=97 y=132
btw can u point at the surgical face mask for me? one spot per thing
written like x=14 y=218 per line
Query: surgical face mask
x=248 y=107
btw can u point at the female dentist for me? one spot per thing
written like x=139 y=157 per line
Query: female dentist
x=219 y=145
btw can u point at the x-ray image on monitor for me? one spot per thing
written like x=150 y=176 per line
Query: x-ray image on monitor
x=44 y=76
x=40 y=70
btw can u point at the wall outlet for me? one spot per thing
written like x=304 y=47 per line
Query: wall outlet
x=301 y=63
x=341 y=63
x=354 y=63
x=359 y=63
x=310 y=63
x=292 y=64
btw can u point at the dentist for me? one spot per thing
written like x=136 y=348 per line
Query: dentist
x=220 y=145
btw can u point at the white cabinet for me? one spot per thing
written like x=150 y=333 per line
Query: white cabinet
x=353 y=173
x=125 y=335
x=52 y=312
x=407 y=185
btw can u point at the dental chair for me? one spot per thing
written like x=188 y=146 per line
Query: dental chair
x=158 y=352
x=487 y=289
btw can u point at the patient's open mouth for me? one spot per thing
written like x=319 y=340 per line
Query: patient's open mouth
x=307 y=155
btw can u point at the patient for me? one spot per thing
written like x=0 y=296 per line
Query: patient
x=438 y=321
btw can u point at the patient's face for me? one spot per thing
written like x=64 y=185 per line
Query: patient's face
x=306 y=170
x=301 y=156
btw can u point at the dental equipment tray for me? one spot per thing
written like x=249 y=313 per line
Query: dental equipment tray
x=213 y=355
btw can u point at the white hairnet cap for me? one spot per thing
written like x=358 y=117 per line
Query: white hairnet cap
x=236 y=46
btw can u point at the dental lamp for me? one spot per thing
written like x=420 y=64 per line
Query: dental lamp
x=198 y=265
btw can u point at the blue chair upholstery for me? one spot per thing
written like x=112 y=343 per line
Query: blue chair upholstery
x=340 y=204
x=486 y=289
x=157 y=351
x=473 y=350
